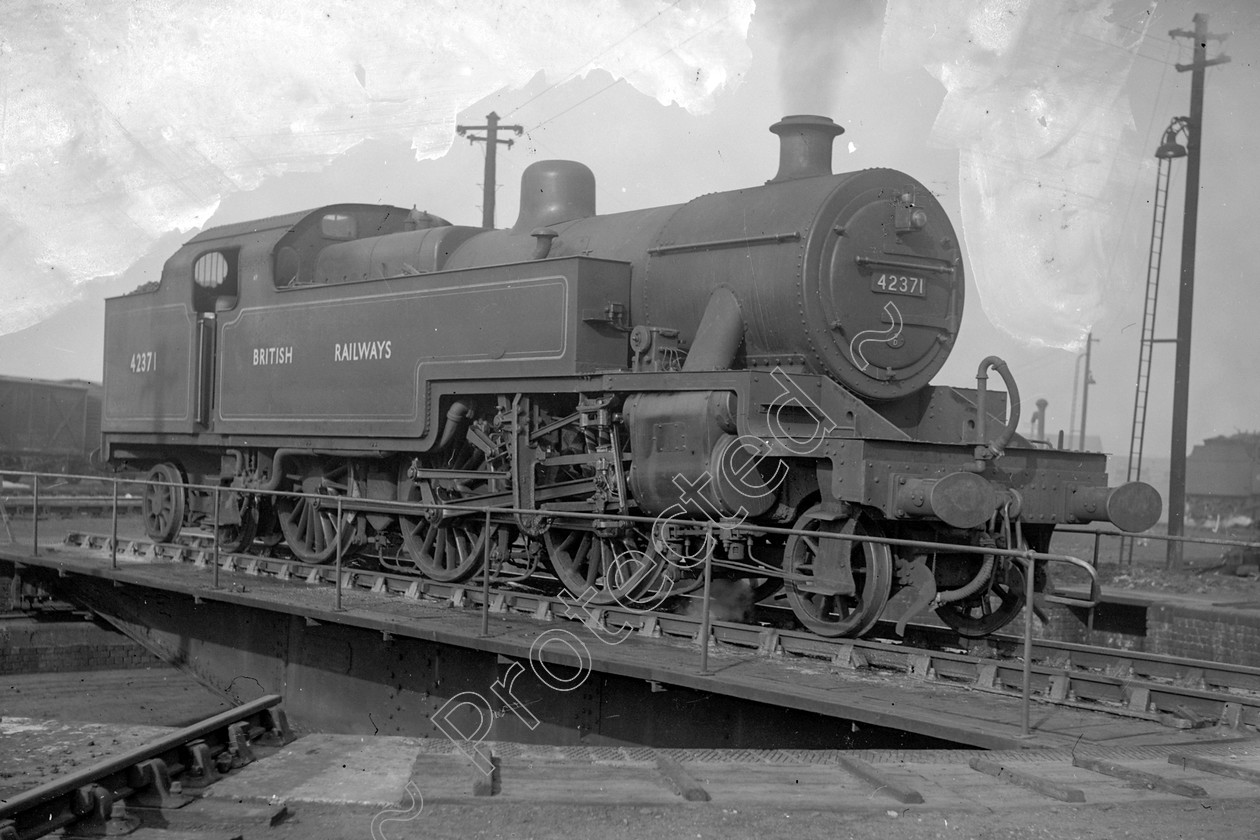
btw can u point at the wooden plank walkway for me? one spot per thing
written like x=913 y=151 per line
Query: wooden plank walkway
x=376 y=771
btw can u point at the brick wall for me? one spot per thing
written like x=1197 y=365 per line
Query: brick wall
x=1219 y=634
x=32 y=647
x=1212 y=633
x=1116 y=626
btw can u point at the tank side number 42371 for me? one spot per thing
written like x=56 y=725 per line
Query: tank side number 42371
x=898 y=284
x=145 y=362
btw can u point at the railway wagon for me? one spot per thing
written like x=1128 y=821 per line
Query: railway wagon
x=753 y=359
x=1223 y=479
x=48 y=425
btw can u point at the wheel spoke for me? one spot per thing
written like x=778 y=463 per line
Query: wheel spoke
x=837 y=614
x=450 y=550
x=440 y=551
x=327 y=531
x=843 y=608
x=830 y=605
x=430 y=538
x=586 y=564
x=304 y=524
x=239 y=536
x=477 y=546
x=163 y=504
x=989 y=611
x=463 y=545
x=314 y=533
x=411 y=527
x=593 y=557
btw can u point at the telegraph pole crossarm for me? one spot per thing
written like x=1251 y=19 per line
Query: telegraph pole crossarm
x=1200 y=40
x=492 y=141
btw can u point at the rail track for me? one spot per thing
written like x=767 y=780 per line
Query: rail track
x=1176 y=692
x=154 y=777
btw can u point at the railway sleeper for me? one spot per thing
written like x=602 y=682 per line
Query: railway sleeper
x=1150 y=781
x=93 y=801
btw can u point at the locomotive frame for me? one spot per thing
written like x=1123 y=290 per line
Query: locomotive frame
x=751 y=358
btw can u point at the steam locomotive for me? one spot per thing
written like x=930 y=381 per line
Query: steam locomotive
x=749 y=360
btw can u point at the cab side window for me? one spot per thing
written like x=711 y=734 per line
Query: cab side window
x=338 y=226
x=215 y=279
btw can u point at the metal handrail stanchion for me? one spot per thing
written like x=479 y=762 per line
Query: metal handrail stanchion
x=1029 y=585
x=35 y=517
x=704 y=615
x=485 y=577
x=216 y=538
x=337 y=537
x=1095 y=590
x=113 y=539
x=1089 y=616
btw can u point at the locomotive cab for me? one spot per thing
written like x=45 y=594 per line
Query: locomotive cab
x=161 y=339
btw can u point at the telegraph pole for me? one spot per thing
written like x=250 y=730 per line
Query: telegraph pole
x=1089 y=379
x=492 y=141
x=1185 y=300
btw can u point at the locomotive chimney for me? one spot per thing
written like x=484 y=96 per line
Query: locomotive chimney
x=804 y=146
x=1039 y=420
x=555 y=191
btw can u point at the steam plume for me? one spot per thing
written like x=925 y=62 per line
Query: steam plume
x=816 y=38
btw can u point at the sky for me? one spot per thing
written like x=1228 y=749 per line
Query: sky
x=126 y=126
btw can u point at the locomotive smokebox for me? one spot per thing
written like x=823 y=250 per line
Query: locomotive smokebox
x=804 y=146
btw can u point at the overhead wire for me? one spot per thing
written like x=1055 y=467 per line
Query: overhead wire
x=1043 y=360
x=387 y=126
x=528 y=132
x=1128 y=205
x=616 y=81
x=391 y=126
x=591 y=61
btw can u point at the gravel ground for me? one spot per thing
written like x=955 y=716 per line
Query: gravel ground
x=51 y=724
x=1218 y=820
x=1208 y=573
x=156 y=696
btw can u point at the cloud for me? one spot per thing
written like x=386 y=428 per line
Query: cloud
x=123 y=120
x=1035 y=105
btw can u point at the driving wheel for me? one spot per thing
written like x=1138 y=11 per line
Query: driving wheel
x=836 y=589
